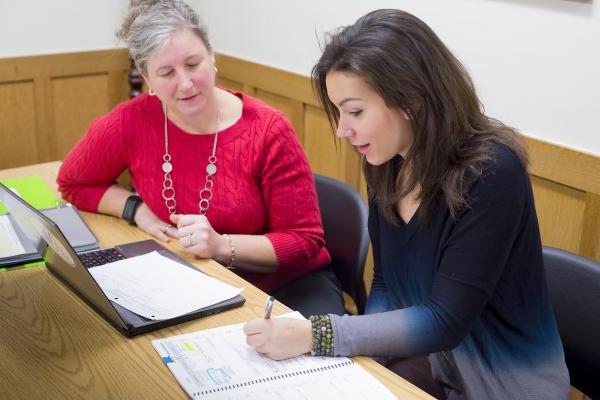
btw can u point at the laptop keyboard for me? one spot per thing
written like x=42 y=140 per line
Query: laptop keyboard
x=100 y=257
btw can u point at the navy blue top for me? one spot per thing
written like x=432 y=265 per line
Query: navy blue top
x=469 y=292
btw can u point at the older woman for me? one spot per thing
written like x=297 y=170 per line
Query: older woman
x=220 y=171
x=458 y=304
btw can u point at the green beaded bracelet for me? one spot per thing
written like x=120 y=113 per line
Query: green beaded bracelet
x=322 y=335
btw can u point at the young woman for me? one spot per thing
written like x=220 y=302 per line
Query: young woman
x=220 y=171
x=458 y=304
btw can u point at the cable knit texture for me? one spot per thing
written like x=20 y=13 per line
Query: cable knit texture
x=263 y=183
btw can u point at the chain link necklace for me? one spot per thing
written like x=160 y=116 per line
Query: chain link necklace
x=206 y=194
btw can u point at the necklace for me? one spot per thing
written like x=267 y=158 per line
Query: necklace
x=206 y=194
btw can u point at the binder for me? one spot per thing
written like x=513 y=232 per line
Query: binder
x=22 y=245
x=73 y=227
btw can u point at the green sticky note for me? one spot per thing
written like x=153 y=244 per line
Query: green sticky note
x=33 y=190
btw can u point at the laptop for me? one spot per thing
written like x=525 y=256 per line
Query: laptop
x=71 y=267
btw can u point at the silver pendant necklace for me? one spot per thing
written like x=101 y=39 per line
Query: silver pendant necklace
x=206 y=194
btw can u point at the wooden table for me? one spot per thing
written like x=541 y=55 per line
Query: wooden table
x=53 y=346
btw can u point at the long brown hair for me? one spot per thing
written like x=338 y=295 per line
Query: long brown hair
x=404 y=61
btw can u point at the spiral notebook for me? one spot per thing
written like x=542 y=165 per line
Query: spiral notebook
x=218 y=364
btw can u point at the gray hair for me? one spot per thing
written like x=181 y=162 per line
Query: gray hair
x=150 y=23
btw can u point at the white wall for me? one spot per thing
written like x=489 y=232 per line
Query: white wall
x=536 y=63
x=30 y=27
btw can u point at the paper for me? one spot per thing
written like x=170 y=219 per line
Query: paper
x=157 y=287
x=33 y=190
x=218 y=364
x=10 y=245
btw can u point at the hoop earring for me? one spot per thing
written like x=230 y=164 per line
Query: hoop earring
x=151 y=92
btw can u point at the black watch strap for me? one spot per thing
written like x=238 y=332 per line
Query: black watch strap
x=131 y=205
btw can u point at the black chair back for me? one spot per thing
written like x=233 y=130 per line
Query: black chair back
x=344 y=215
x=574 y=289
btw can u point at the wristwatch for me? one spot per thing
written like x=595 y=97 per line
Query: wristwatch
x=131 y=205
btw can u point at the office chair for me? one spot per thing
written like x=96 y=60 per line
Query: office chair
x=574 y=290
x=344 y=216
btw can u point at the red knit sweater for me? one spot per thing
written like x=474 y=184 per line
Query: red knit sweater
x=263 y=183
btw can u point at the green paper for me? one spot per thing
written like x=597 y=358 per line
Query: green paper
x=33 y=264
x=33 y=190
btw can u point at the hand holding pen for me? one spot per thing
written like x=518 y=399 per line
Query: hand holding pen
x=279 y=338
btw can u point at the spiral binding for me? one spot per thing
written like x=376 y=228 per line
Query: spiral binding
x=273 y=378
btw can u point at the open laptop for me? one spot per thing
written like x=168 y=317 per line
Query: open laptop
x=72 y=268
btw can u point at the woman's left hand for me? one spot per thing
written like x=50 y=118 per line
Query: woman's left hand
x=197 y=236
x=279 y=338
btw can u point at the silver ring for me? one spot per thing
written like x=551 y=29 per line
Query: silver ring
x=189 y=238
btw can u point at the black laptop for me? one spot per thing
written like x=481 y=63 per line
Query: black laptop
x=72 y=268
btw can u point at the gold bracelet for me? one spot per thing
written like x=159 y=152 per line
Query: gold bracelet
x=232 y=248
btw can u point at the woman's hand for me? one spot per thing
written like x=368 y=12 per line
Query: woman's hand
x=198 y=237
x=279 y=338
x=150 y=223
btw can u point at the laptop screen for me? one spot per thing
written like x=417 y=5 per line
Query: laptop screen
x=60 y=257
x=35 y=225
x=29 y=237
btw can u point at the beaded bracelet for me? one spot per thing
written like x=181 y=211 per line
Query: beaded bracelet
x=232 y=248
x=322 y=335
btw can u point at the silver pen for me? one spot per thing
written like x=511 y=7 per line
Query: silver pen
x=269 y=307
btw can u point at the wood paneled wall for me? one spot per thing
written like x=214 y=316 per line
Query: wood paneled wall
x=47 y=102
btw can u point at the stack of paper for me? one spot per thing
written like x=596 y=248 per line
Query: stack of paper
x=10 y=245
x=157 y=287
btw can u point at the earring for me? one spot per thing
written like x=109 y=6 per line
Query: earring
x=216 y=70
x=151 y=92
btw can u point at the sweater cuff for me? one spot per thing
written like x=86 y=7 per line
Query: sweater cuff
x=339 y=347
x=286 y=250
x=88 y=198
x=354 y=336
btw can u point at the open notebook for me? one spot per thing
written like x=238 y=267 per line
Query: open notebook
x=218 y=364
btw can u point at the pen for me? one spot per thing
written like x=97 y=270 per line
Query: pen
x=269 y=306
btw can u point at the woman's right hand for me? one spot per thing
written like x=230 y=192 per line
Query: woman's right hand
x=279 y=338
x=150 y=223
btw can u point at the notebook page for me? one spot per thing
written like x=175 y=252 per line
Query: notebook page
x=217 y=363
x=348 y=381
